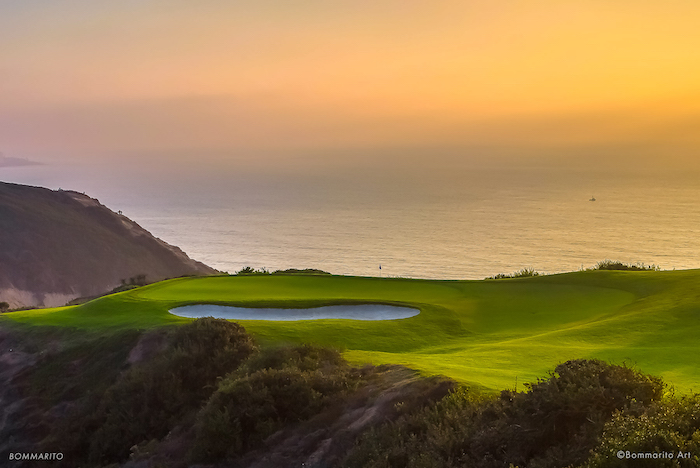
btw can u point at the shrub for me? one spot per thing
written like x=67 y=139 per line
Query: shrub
x=247 y=271
x=617 y=265
x=305 y=357
x=557 y=421
x=151 y=398
x=284 y=386
x=305 y=271
x=434 y=436
x=553 y=424
x=668 y=427
x=524 y=273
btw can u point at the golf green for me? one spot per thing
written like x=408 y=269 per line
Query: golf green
x=488 y=333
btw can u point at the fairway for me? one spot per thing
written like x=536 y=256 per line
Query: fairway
x=486 y=333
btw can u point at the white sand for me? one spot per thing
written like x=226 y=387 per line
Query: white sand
x=349 y=312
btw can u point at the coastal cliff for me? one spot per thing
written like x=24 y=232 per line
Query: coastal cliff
x=57 y=245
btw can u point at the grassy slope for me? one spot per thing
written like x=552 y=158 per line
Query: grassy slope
x=483 y=332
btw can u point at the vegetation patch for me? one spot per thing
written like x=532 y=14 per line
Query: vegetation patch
x=666 y=434
x=523 y=273
x=278 y=388
x=290 y=271
x=147 y=399
x=615 y=265
x=204 y=393
x=305 y=271
x=555 y=423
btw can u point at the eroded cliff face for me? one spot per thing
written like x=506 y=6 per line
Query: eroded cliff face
x=59 y=245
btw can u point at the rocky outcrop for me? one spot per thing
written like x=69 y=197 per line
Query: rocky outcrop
x=59 y=245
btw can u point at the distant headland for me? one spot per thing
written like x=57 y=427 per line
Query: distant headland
x=6 y=161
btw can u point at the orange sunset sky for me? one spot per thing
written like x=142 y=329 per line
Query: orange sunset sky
x=88 y=79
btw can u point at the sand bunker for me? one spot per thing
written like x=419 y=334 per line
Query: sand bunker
x=348 y=312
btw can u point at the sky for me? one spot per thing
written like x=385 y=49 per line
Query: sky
x=275 y=82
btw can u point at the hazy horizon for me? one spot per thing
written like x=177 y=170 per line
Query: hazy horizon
x=464 y=222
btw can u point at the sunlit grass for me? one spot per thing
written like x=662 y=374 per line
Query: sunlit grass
x=489 y=333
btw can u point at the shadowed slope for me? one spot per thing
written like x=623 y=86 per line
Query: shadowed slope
x=58 y=245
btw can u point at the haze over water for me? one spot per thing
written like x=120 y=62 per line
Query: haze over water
x=438 y=139
x=456 y=222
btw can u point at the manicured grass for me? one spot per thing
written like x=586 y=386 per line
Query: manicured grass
x=487 y=333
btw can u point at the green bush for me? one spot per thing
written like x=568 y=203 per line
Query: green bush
x=617 y=265
x=153 y=397
x=555 y=423
x=247 y=271
x=276 y=388
x=433 y=436
x=305 y=357
x=671 y=427
x=523 y=273
x=305 y=271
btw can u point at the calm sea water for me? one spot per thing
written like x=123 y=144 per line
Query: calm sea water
x=463 y=224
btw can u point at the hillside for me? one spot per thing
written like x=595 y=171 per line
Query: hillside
x=589 y=365
x=59 y=245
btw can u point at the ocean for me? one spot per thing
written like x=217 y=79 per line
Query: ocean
x=452 y=224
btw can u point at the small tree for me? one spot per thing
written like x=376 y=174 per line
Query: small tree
x=138 y=280
x=4 y=307
x=252 y=271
